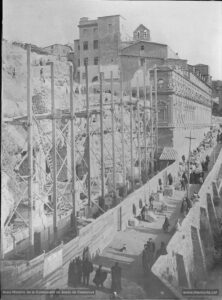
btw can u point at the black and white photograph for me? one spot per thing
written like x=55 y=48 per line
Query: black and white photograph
x=111 y=150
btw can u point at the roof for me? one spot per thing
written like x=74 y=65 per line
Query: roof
x=109 y=16
x=169 y=154
x=141 y=25
x=144 y=41
x=57 y=44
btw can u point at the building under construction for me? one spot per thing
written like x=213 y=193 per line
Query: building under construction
x=80 y=160
x=76 y=163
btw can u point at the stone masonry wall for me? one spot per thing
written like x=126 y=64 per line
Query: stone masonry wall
x=193 y=243
x=96 y=235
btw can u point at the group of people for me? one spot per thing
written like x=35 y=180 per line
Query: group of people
x=79 y=272
x=149 y=256
x=80 y=269
x=187 y=204
x=197 y=168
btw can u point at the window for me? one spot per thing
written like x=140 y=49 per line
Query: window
x=78 y=76
x=85 y=31
x=78 y=62
x=95 y=44
x=86 y=61
x=160 y=83
x=83 y=75
x=85 y=45
x=110 y=28
x=145 y=34
x=142 y=47
x=96 y=61
x=142 y=61
x=95 y=30
x=78 y=47
x=138 y=34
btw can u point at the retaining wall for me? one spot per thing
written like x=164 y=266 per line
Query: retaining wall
x=190 y=251
x=96 y=235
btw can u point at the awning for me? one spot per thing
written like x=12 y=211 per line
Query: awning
x=168 y=154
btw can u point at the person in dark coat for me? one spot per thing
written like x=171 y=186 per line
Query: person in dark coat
x=143 y=213
x=183 y=209
x=145 y=260
x=160 y=185
x=183 y=186
x=86 y=254
x=170 y=179
x=70 y=274
x=166 y=225
x=100 y=277
x=162 y=250
x=151 y=245
x=184 y=176
x=87 y=268
x=116 y=278
x=74 y=273
x=206 y=165
x=189 y=204
x=151 y=199
x=79 y=269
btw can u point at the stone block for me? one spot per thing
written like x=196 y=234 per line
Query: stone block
x=168 y=191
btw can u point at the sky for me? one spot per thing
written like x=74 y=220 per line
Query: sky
x=191 y=28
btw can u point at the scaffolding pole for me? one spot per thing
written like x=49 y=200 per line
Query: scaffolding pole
x=122 y=131
x=88 y=136
x=156 y=109
x=138 y=131
x=30 y=153
x=151 y=130
x=102 y=138
x=144 y=120
x=73 y=159
x=131 y=138
x=113 y=136
x=54 y=154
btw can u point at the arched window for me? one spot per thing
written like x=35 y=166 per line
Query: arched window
x=145 y=34
x=138 y=34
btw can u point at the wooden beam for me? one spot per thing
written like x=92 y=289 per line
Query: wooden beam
x=73 y=158
x=156 y=108
x=144 y=119
x=54 y=155
x=88 y=136
x=102 y=138
x=138 y=131
x=113 y=136
x=30 y=153
x=122 y=131
x=131 y=139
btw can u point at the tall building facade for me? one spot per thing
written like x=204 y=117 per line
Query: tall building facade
x=184 y=91
x=98 y=46
x=184 y=106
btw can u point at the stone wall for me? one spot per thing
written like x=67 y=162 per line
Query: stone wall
x=190 y=249
x=96 y=235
